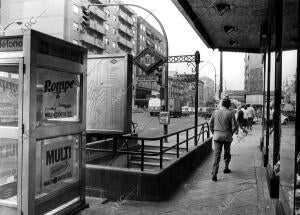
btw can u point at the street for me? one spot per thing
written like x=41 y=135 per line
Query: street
x=148 y=126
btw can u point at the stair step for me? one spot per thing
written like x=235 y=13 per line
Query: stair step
x=170 y=152
x=151 y=158
x=154 y=164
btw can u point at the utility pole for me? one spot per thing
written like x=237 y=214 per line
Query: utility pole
x=197 y=61
x=221 y=75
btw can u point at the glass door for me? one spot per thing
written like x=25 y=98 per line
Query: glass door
x=11 y=89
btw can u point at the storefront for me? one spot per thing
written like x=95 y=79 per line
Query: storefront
x=42 y=125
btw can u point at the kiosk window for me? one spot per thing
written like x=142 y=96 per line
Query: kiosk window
x=57 y=161
x=9 y=84
x=58 y=97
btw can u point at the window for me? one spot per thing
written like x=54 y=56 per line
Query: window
x=133 y=19
x=133 y=42
x=75 y=9
x=106 y=41
x=114 y=44
x=133 y=53
x=75 y=42
x=141 y=48
x=114 y=31
x=75 y=26
x=114 y=18
x=107 y=12
x=107 y=26
x=144 y=38
x=141 y=37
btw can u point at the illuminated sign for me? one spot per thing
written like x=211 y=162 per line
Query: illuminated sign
x=149 y=60
x=164 y=118
x=60 y=51
x=11 y=44
x=147 y=78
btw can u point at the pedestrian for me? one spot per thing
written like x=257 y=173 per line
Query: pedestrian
x=223 y=125
x=245 y=120
x=240 y=120
x=251 y=115
x=271 y=117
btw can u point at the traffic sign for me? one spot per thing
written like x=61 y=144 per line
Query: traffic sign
x=164 y=118
x=185 y=77
x=146 y=78
x=149 y=60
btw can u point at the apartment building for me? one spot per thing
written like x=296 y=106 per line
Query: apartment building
x=110 y=29
x=209 y=89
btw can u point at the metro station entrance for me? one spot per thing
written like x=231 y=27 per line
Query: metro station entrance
x=42 y=125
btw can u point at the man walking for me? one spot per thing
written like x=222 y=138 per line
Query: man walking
x=223 y=125
x=251 y=115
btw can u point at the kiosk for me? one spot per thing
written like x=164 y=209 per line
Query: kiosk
x=42 y=125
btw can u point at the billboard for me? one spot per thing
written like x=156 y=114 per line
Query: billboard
x=109 y=93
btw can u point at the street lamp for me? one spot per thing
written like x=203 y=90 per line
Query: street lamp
x=2 y=32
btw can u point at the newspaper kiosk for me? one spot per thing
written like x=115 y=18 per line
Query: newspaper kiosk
x=42 y=125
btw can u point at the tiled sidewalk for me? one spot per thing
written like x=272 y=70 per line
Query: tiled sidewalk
x=244 y=191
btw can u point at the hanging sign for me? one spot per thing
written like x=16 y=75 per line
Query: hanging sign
x=149 y=60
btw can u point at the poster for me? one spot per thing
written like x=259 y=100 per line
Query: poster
x=58 y=159
x=107 y=94
x=58 y=95
x=8 y=167
x=9 y=99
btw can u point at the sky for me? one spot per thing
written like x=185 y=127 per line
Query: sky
x=183 y=40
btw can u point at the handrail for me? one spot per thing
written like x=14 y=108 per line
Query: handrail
x=162 y=150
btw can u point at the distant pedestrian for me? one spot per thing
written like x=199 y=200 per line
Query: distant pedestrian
x=244 y=109
x=223 y=125
x=251 y=115
x=241 y=121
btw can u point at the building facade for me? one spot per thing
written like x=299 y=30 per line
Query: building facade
x=209 y=89
x=110 y=29
x=253 y=73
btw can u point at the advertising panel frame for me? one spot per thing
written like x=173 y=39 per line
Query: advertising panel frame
x=127 y=92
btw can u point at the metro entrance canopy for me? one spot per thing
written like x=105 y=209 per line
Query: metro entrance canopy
x=238 y=25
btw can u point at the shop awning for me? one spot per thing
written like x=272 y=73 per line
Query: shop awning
x=236 y=25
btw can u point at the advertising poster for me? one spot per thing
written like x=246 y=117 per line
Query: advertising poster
x=58 y=96
x=8 y=167
x=9 y=99
x=58 y=157
x=106 y=94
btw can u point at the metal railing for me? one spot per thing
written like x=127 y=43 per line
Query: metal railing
x=204 y=129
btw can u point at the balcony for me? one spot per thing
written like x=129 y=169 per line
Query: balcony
x=97 y=27
x=99 y=13
x=92 y=41
x=125 y=30
x=125 y=42
x=125 y=17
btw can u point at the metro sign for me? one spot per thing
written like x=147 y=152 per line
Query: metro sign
x=149 y=60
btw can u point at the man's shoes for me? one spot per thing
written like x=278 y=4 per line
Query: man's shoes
x=214 y=178
x=227 y=170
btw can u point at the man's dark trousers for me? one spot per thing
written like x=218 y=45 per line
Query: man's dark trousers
x=217 y=155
